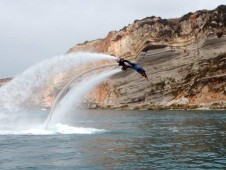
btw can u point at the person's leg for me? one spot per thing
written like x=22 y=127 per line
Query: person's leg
x=145 y=75
x=142 y=72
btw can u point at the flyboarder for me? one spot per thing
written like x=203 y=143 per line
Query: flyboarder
x=122 y=62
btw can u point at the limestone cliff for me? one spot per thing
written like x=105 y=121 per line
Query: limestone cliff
x=185 y=58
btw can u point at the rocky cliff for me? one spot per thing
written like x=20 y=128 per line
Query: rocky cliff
x=185 y=59
x=4 y=81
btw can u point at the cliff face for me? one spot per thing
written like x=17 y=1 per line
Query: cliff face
x=154 y=32
x=4 y=81
x=184 y=58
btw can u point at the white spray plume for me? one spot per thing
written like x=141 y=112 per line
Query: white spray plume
x=27 y=85
x=76 y=95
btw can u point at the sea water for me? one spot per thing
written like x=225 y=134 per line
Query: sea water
x=110 y=139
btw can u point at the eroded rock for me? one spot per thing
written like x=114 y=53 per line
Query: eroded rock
x=182 y=57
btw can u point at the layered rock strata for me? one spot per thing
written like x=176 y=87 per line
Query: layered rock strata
x=173 y=75
x=185 y=59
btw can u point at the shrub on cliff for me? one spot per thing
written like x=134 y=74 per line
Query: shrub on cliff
x=186 y=16
x=222 y=8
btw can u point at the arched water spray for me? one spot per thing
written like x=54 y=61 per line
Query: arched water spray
x=67 y=87
x=75 y=96
x=25 y=91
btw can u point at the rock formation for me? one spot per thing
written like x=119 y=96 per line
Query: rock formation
x=4 y=81
x=185 y=59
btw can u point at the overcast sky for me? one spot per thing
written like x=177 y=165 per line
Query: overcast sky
x=33 y=30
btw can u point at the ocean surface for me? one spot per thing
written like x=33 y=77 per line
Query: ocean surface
x=121 y=140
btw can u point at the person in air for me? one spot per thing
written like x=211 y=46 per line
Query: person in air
x=122 y=62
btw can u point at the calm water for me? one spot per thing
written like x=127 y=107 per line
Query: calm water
x=132 y=140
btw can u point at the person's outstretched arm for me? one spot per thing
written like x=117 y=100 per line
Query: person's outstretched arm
x=127 y=61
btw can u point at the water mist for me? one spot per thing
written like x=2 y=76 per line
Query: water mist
x=20 y=96
x=74 y=98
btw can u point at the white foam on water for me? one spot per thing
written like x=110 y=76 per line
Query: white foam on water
x=54 y=130
x=173 y=129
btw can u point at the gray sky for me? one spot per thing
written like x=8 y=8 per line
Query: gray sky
x=33 y=30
